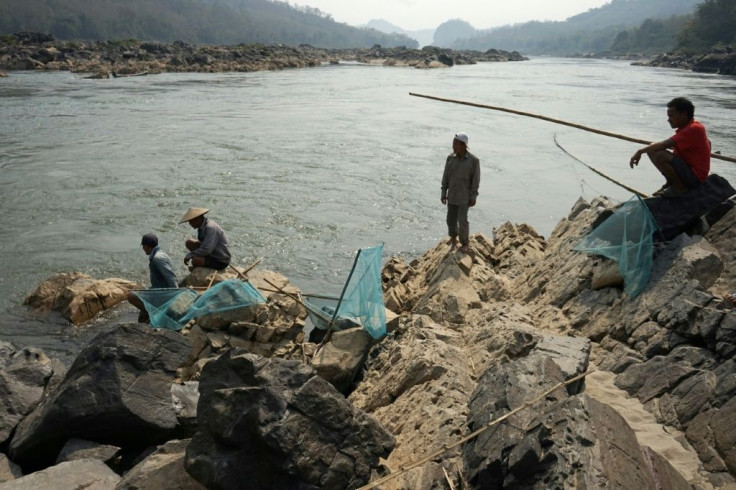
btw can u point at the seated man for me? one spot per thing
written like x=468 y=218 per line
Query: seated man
x=210 y=248
x=160 y=269
x=689 y=164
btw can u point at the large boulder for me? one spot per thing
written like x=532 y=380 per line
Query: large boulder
x=82 y=473
x=78 y=297
x=277 y=424
x=24 y=375
x=117 y=391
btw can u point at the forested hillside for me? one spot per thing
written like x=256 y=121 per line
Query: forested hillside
x=194 y=21
x=592 y=31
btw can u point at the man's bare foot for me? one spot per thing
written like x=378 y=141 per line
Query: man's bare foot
x=465 y=249
x=452 y=242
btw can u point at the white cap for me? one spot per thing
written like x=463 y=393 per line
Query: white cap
x=462 y=137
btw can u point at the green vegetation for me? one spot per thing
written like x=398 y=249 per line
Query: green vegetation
x=594 y=31
x=714 y=23
x=193 y=21
x=653 y=36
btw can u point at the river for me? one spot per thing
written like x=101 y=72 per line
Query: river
x=303 y=167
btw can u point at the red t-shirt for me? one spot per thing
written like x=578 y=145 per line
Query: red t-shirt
x=692 y=145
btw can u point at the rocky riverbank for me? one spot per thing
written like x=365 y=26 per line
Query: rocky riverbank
x=721 y=60
x=28 y=51
x=244 y=397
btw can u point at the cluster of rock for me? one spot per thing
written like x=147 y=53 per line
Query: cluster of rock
x=469 y=390
x=719 y=59
x=29 y=51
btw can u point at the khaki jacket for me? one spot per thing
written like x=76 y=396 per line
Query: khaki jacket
x=461 y=179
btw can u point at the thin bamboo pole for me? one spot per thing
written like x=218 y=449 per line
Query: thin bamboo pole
x=557 y=121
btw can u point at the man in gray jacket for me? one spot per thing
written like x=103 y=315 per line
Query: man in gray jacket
x=460 y=183
x=210 y=249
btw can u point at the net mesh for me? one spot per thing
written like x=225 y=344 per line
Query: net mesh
x=626 y=237
x=173 y=308
x=362 y=303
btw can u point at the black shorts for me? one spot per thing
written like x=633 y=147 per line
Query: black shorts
x=684 y=172
x=214 y=263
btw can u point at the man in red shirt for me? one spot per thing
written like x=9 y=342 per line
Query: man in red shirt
x=689 y=164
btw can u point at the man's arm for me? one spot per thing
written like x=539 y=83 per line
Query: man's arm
x=206 y=246
x=661 y=145
x=474 y=183
x=445 y=181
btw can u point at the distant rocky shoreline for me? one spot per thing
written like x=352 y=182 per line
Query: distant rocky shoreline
x=720 y=60
x=31 y=51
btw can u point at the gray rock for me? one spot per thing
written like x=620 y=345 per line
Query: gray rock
x=117 y=391
x=558 y=442
x=89 y=474
x=340 y=359
x=277 y=424
x=23 y=378
x=75 y=449
x=164 y=468
x=8 y=469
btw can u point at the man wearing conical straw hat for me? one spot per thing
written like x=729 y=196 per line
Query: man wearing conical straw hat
x=210 y=248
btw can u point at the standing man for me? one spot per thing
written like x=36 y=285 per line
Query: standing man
x=689 y=164
x=160 y=269
x=210 y=248
x=460 y=183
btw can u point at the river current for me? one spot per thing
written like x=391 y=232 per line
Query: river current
x=303 y=167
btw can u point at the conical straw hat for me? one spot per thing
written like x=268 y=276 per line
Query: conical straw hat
x=193 y=213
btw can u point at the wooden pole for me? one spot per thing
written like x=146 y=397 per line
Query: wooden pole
x=557 y=121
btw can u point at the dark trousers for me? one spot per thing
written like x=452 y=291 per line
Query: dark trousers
x=457 y=222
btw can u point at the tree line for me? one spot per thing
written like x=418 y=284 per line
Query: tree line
x=621 y=27
x=193 y=21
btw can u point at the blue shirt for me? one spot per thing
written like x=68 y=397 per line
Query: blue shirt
x=162 y=273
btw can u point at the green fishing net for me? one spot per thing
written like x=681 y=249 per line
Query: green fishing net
x=173 y=308
x=626 y=237
x=362 y=301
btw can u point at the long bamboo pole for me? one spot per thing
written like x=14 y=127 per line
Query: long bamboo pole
x=556 y=121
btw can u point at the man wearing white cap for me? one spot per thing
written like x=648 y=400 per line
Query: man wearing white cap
x=460 y=183
x=210 y=248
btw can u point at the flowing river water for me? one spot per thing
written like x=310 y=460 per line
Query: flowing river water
x=303 y=167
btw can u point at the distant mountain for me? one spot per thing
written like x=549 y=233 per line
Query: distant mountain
x=193 y=21
x=591 y=31
x=423 y=36
x=448 y=33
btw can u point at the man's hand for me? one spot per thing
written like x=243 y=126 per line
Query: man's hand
x=186 y=260
x=444 y=200
x=635 y=159
x=471 y=203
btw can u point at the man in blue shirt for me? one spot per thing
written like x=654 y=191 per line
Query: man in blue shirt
x=210 y=249
x=160 y=269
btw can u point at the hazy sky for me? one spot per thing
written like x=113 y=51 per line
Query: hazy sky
x=423 y=14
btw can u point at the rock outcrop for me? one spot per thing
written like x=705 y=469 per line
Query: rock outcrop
x=79 y=297
x=277 y=424
x=719 y=59
x=125 y=58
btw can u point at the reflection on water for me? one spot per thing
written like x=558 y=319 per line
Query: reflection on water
x=303 y=167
